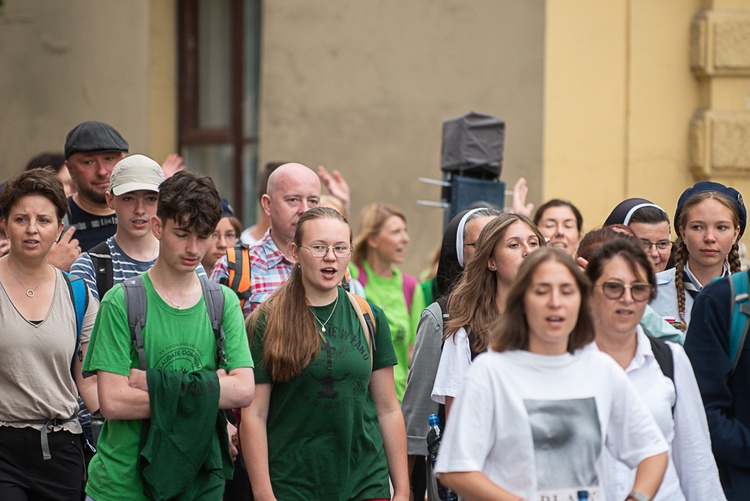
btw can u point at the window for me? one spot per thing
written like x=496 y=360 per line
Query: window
x=219 y=53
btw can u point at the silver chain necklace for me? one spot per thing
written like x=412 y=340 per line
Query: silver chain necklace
x=30 y=291
x=174 y=304
x=323 y=324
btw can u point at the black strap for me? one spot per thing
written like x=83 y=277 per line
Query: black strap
x=665 y=359
x=101 y=257
x=663 y=356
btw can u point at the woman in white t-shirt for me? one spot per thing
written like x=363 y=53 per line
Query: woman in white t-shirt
x=536 y=412
x=623 y=283
x=480 y=296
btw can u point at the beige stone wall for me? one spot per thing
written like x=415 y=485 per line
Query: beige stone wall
x=618 y=103
x=63 y=62
x=602 y=100
x=364 y=87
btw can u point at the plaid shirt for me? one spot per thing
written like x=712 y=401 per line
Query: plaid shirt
x=269 y=268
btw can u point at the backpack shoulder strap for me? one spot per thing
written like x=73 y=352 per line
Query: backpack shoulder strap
x=408 y=284
x=346 y=280
x=366 y=319
x=101 y=257
x=738 y=290
x=238 y=264
x=663 y=356
x=214 y=299
x=80 y=298
x=136 y=306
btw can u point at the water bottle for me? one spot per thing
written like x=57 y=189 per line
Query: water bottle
x=433 y=444
x=583 y=495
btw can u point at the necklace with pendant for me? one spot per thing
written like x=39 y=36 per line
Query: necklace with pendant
x=323 y=324
x=29 y=290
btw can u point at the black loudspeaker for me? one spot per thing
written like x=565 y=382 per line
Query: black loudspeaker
x=465 y=191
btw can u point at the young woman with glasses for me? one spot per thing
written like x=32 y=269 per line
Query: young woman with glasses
x=623 y=284
x=325 y=422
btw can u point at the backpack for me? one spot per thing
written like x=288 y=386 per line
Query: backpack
x=101 y=258
x=238 y=265
x=740 y=310
x=79 y=296
x=408 y=284
x=136 y=306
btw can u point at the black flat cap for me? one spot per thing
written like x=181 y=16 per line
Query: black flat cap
x=93 y=136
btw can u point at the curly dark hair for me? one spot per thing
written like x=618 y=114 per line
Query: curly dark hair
x=42 y=182
x=191 y=200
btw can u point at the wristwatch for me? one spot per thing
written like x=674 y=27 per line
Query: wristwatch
x=637 y=496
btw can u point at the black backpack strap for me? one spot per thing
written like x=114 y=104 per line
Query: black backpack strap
x=101 y=257
x=663 y=356
x=214 y=299
x=136 y=306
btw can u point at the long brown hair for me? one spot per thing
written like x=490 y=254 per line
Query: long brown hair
x=681 y=254
x=472 y=303
x=291 y=337
x=512 y=331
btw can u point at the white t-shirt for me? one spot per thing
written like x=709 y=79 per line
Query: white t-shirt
x=533 y=422
x=691 y=473
x=455 y=360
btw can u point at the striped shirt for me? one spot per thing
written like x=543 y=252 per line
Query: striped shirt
x=123 y=267
x=269 y=268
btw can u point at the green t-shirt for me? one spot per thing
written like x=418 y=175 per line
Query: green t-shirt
x=388 y=294
x=184 y=341
x=324 y=439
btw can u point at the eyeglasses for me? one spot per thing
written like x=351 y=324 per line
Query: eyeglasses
x=661 y=245
x=322 y=250
x=230 y=235
x=638 y=291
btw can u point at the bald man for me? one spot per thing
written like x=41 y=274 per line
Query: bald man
x=292 y=189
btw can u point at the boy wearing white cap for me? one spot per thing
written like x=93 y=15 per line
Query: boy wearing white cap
x=132 y=250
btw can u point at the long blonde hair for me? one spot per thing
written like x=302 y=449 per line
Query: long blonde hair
x=472 y=303
x=371 y=221
x=291 y=337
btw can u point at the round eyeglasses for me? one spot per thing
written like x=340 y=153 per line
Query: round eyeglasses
x=321 y=250
x=638 y=291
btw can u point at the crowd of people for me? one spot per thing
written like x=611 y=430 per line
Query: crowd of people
x=155 y=349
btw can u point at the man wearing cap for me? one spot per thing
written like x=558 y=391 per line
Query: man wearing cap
x=91 y=151
x=132 y=250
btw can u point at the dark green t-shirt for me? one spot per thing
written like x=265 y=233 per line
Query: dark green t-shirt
x=324 y=439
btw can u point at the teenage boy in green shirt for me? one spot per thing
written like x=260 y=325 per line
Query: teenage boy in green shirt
x=177 y=336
